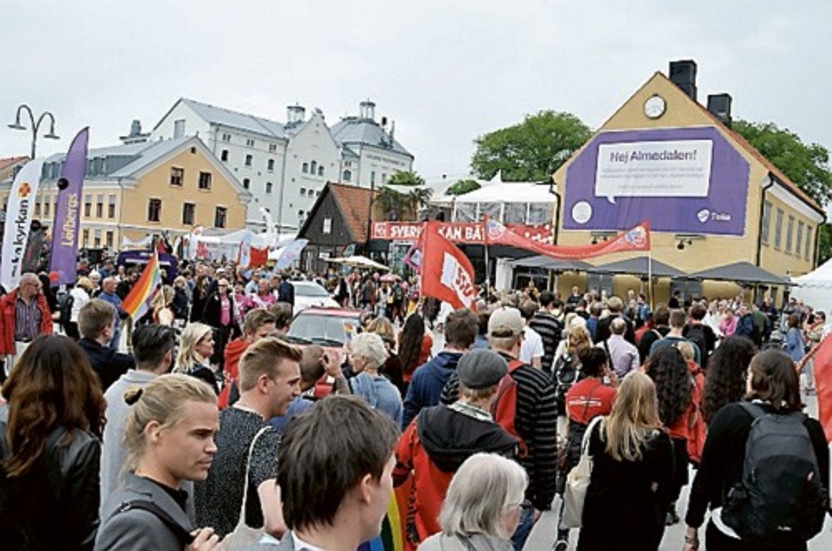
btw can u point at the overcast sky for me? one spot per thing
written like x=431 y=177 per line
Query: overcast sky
x=445 y=71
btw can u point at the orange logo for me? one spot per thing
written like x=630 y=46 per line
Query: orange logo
x=24 y=191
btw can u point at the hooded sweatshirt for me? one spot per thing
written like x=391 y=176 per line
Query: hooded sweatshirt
x=433 y=447
x=427 y=383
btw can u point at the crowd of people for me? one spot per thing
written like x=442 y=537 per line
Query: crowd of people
x=201 y=426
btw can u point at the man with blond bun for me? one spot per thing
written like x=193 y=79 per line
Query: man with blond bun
x=269 y=381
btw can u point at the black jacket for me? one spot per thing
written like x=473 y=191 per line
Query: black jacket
x=212 y=312
x=106 y=362
x=602 y=330
x=55 y=504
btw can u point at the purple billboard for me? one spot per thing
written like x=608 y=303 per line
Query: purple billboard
x=684 y=180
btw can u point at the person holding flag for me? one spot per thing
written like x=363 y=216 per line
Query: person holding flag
x=137 y=302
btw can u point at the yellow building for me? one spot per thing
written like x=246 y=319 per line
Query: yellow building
x=711 y=199
x=144 y=188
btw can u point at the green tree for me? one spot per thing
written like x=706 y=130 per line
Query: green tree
x=404 y=178
x=462 y=186
x=807 y=165
x=531 y=150
x=404 y=192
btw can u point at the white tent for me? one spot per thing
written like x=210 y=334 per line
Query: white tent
x=815 y=288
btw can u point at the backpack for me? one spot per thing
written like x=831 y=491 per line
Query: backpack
x=65 y=309
x=504 y=408
x=566 y=374
x=696 y=335
x=780 y=500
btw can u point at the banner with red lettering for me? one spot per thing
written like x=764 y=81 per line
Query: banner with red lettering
x=447 y=274
x=469 y=233
x=634 y=239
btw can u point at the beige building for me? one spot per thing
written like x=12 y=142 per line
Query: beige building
x=711 y=199
x=141 y=189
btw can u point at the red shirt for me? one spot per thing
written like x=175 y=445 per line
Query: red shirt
x=589 y=398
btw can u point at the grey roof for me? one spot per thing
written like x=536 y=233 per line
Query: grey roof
x=554 y=264
x=741 y=272
x=349 y=153
x=235 y=119
x=125 y=160
x=639 y=266
x=149 y=155
x=354 y=130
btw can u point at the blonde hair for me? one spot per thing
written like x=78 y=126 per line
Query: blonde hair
x=634 y=417
x=578 y=338
x=686 y=350
x=191 y=335
x=162 y=400
x=85 y=283
x=265 y=357
x=382 y=327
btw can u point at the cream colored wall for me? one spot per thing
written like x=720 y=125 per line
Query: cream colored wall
x=778 y=260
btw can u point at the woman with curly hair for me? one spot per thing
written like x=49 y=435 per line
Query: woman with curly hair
x=725 y=378
x=674 y=388
x=50 y=430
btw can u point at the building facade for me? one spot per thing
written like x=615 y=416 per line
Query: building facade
x=286 y=165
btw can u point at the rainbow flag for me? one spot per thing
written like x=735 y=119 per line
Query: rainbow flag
x=390 y=538
x=137 y=301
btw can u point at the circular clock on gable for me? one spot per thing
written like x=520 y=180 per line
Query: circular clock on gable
x=654 y=107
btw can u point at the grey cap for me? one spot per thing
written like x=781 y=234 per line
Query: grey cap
x=481 y=369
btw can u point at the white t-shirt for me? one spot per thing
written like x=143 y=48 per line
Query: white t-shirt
x=532 y=346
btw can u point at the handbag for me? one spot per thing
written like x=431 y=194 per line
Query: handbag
x=244 y=535
x=577 y=483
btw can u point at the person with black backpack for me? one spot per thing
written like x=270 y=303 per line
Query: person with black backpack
x=765 y=468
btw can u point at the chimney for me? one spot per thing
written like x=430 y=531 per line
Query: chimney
x=295 y=114
x=135 y=135
x=683 y=75
x=367 y=110
x=136 y=128
x=719 y=105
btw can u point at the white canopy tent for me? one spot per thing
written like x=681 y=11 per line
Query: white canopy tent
x=815 y=288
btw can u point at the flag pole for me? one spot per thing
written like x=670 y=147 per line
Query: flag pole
x=650 y=274
x=485 y=253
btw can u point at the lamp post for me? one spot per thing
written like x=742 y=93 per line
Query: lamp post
x=35 y=125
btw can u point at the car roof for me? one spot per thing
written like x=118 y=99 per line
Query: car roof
x=334 y=312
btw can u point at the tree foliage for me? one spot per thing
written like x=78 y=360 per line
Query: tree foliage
x=531 y=150
x=807 y=165
x=462 y=186
x=404 y=178
x=403 y=195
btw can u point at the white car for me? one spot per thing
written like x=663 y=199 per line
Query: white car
x=309 y=294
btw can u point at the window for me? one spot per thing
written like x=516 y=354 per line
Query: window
x=372 y=177
x=46 y=206
x=226 y=137
x=789 y=229
x=272 y=147
x=327 y=226
x=204 y=180
x=97 y=238
x=778 y=228
x=318 y=193
x=347 y=175
x=807 y=249
x=87 y=205
x=188 y=211
x=177 y=175
x=109 y=240
x=383 y=178
x=320 y=170
x=154 y=210
x=305 y=168
x=178 y=128
x=246 y=183
x=270 y=165
x=37 y=209
x=766 y=222
x=249 y=143
x=224 y=155
x=268 y=187
x=798 y=241
x=310 y=193
x=313 y=168
x=302 y=191
x=99 y=206
x=111 y=207
x=86 y=239
x=249 y=160
x=220 y=217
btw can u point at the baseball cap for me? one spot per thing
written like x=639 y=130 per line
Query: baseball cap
x=481 y=368
x=505 y=322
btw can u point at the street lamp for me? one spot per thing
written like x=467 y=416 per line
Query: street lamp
x=35 y=125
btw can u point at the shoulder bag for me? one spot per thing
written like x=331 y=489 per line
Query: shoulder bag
x=243 y=535
x=577 y=483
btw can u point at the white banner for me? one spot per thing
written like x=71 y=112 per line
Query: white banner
x=244 y=256
x=18 y=218
x=290 y=253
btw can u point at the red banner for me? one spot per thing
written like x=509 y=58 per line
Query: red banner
x=447 y=274
x=634 y=239
x=823 y=384
x=471 y=233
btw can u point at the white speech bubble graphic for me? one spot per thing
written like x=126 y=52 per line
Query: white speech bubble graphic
x=581 y=212
x=654 y=169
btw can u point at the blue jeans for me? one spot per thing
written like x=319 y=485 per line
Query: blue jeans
x=114 y=342
x=524 y=527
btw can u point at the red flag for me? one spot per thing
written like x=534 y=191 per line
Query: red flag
x=447 y=274
x=634 y=239
x=823 y=384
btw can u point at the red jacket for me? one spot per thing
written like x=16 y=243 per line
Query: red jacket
x=7 y=320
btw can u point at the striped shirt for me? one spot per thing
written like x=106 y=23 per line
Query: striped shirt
x=26 y=319
x=549 y=328
x=536 y=422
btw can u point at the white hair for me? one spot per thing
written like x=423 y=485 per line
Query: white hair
x=370 y=347
x=483 y=490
